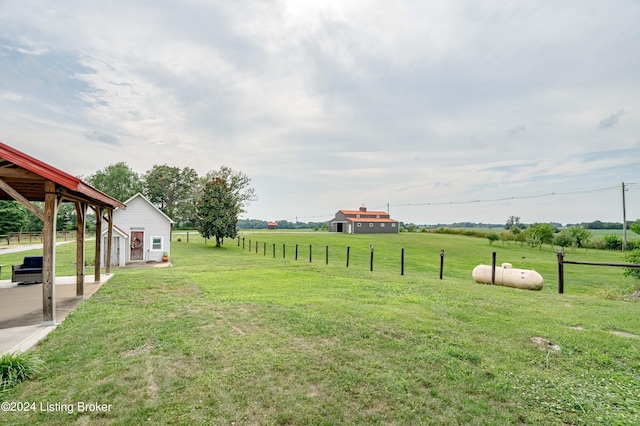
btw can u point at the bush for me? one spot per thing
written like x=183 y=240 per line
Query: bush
x=18 y=367
x=563 y=239
x=612 y=242
x=492 y=237
x=632 y=257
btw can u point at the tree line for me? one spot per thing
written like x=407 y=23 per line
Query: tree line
x=209 y=203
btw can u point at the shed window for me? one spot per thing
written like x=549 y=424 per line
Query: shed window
x=382 y=225
x=393 y=225
x=370 y=225
x=359 y=224
x=157 y=243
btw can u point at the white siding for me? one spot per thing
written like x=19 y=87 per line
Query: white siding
x=142 y=216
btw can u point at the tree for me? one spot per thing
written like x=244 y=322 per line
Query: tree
x=492 y=237
x=173 y=190
x=13 y=217
x=539 y=233
x=224 y=197
x=563 y=238
x=512 y=223
x=580 y=235
x=634 y=255
x=117 y=180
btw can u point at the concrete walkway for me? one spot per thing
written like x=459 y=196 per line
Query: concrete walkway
x=21 y=325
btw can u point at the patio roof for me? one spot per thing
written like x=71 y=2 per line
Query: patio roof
x=26 y=179
x=27 y=175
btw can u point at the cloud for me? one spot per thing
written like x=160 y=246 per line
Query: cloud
x=513 y=132
x=99 y=136
x=332 y=100
x=611 y=120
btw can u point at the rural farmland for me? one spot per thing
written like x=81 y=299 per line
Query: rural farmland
x=232 y=335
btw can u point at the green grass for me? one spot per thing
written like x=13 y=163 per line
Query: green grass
x=65 y=259
x=230 y=336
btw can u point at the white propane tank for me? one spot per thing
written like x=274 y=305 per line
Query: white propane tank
x=507 y=276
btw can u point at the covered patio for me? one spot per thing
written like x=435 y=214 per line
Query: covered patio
x=26 y=179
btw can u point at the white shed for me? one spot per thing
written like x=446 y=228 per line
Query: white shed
x=142 y=232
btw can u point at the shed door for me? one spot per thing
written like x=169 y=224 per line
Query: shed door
x=137 y=245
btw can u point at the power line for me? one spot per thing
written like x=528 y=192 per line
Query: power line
x=494 y=200
x=522 y=197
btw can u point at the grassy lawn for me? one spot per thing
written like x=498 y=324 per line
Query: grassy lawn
x=231 y=336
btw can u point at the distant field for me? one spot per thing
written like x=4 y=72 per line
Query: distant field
x=236 y=335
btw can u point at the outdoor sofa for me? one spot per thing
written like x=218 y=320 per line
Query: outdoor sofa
x=29 y=272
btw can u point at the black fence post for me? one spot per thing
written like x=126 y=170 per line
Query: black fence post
x=249 y=245
x=493 y=268
x=371 y=257
x=265 y=249
x=238 y=239
x=296 y=252
x=348 y=248
x=402 y=262
x=274 y=250
x=242 y=243
x=326 y=255
x=284 y=251
x=310 y=251
x=256 y=247
x=560 y=271
x=441 y=262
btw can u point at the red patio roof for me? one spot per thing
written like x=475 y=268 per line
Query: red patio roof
x=10 y=156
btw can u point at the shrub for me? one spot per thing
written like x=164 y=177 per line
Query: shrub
x=17 y=367
x=563 y=239
x=632 y=257
x=492 y=237
x=612 y=242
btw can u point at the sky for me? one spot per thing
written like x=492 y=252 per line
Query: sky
x=438 y=112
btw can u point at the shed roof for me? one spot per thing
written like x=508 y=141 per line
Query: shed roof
x=139 y=195
x=26 y=175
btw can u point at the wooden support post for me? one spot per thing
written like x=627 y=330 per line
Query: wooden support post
x=402 y=262
x=264 y=249
x=109 y=242
x=49 y=254
x=96 y=273
x=284 y=251
x=296 y=252
x=326 y=255
x=274 y=250
x=441 y=262
x=310 y=251
x=560 y=271
x=81 y=213
x=348 y=249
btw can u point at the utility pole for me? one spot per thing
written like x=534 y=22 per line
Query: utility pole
x=624 y=221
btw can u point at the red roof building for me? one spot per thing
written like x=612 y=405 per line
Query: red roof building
x=362 y=221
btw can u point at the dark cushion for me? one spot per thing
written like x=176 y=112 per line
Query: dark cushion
x=22 y=271
x=32 y=262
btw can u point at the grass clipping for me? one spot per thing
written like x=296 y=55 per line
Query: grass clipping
x=18 y=367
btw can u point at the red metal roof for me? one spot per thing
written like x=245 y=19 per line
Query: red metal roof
x=53 y=174
x=360 y=212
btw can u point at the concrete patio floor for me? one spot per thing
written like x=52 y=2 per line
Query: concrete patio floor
x=21 y=324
